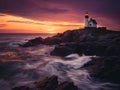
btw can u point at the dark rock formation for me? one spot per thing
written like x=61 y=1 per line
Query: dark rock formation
x=105 y=69
x=52 y=40
x=88 y=42
x=21 y=88
x=49 y=83
x=33 y=42
x=87 y=48
x=67 y=86
x=63 y=50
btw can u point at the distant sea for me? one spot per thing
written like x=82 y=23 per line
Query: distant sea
x=22 y=66
x=21 y=37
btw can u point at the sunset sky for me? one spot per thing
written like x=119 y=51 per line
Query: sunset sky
x=53 y=16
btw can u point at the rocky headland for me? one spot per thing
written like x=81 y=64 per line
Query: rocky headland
x=104 y=44
x=87 y=42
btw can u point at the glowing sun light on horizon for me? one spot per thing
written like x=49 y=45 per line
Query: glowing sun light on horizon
x=16 y=24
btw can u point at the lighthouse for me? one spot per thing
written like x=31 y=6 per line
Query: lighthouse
x=90 y=23
x=86 y=20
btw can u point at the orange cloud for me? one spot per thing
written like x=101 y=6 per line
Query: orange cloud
x=2 y=25
x=15 y=24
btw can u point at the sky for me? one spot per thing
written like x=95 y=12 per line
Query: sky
x=56 y=16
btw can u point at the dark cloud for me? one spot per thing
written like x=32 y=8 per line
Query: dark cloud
x=29 y=8
x=35 y=7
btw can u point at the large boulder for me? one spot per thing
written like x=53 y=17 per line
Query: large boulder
x=67 y=86
x=49 y=83
x=52 y=40
x=21 y=88
x=33 y=42
x=94 y=48
x=63 y=50
x=106 y=69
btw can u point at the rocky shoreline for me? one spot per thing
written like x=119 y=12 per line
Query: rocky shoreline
x=88 y=42
x=103 y=44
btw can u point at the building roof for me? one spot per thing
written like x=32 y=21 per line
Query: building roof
x=93 y=20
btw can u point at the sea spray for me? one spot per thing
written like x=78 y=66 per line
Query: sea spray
x=69 y=69
x=27 y=65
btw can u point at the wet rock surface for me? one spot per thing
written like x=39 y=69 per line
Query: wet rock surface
x=63 y=50
x=49 y=83
x=105 y=69
x=33 y=42
x=21 y=88
x=67 y=86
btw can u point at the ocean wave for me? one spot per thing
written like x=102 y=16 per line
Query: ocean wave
x=25 y=65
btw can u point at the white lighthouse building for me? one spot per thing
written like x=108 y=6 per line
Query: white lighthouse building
x=90 y=23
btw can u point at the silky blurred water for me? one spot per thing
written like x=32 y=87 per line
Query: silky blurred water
x=22 y=66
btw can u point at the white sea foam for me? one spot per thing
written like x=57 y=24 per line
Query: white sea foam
x=69 y=70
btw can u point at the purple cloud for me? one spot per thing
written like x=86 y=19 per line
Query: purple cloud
x=65 y=10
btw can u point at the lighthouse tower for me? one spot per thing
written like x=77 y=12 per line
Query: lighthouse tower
x=86 y=20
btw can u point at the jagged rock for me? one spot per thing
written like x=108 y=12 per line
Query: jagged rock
x=33 y=42
x=21 y=88
x=49 y=83
x=87 y=48
x=63 y=50
x=52 y=41
x=104 y=68
x=67 y=86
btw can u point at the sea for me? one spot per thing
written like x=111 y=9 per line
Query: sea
x=22 y=66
